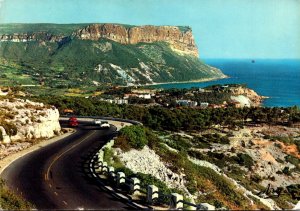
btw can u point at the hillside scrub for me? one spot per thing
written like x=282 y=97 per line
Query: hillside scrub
x=233 y=180
x=203 y=180
x=215 y=188
x=131 y=137
x=11 y=201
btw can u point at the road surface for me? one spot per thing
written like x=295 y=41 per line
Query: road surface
x=57 y=176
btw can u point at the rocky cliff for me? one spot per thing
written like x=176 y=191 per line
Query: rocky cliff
x=71 y=55
x=183 y=41
x=22 y=120
x=241 y=93
x=27 y=37
x=180 y=40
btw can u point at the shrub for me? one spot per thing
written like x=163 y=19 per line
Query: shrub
x=179 y=143
x=286 y=170
x=245 y=160
x=294 y=190
x=11 y=201
x=147 y=179
x=135 y=136
x=256 y=178
x=153 y=140
x=122 y=143
x=293 y=160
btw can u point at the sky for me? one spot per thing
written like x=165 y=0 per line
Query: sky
x=222 y=28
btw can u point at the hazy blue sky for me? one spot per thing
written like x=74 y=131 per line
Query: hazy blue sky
x=222 y=28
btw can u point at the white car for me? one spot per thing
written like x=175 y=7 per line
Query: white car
x=104 y=124
x=97 y=121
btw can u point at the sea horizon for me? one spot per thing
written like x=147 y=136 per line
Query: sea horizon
x=277 y=79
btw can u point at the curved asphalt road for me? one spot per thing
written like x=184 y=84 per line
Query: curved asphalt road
x=57 y=176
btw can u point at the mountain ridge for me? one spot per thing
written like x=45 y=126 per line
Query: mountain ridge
x=102 y=53
x=124 y=34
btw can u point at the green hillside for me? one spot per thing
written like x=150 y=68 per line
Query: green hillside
x=73 y=62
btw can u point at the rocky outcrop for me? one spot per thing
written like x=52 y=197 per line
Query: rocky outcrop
x=246 y=96
x=181 y=41
x=27 y=37
x=147 y=161
x=29 y=120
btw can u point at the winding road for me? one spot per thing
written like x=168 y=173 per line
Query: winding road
x=57 y=176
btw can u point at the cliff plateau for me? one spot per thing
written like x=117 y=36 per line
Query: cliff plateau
x=69 y=55
x=182 y=41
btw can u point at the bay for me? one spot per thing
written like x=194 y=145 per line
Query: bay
x=277 y=79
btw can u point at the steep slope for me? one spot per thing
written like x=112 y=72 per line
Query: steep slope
x=89 y=54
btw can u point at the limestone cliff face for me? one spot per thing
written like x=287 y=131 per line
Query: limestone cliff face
x=179 y=40
x=26 y=37
x=32 y=120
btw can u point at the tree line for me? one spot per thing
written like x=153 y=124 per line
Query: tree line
x=175 y=119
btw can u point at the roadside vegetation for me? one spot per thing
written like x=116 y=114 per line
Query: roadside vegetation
x=175 y=119
x=10 y=201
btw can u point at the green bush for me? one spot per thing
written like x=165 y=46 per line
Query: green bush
x=294 y=190
x=245 y=160
x=153 y=140
x=179 y=143
x=293 y=160
x=135 y=135
x=286 y=170
x=147 y=179
x=256 y=178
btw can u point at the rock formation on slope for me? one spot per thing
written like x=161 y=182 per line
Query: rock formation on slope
x=27 y=37
x=22 y=120
x=246 y=96
x=182 y=41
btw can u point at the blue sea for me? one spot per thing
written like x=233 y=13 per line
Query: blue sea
x=277 y=79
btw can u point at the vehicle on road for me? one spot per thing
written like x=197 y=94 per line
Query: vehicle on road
x=104 y=124
x=73 y=122
x=97 y=121
x=101 y=123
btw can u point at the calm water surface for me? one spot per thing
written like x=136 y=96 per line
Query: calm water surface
x=277 y=79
